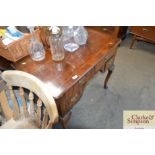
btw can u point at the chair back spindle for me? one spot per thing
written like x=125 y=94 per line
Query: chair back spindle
x=16 y=112
x=21 y=93
x=38 y=121
x=8 y=114
x=45 y=119
x=31 y=97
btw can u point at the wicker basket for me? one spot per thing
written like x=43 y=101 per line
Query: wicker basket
x=17 y=49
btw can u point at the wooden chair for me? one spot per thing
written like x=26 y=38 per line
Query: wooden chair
x=36 y=101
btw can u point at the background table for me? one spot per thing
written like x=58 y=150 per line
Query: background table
x=142 y=33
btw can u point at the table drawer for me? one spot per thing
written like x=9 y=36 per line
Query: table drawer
x=73 y=95
x=70 y=98
x=147 y=32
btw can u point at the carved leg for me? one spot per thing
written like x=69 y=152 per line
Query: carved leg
x=64 y=120
x=110 y=70
x=133 y=42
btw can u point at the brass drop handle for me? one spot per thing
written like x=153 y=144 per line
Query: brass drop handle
x=74 y=98
x=145 y=29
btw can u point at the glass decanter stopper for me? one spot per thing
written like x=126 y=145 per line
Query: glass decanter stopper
x=36 y=48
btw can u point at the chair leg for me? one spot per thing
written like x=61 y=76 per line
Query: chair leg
x=133 y=42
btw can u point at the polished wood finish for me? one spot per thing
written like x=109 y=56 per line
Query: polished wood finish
x=44 y=97
x=113 y=30
x=143 y=33
x=116 y=31
x=67 y=79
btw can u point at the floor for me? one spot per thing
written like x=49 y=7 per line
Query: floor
x=131 y=87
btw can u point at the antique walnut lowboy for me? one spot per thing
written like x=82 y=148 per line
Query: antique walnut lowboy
x=67 y=79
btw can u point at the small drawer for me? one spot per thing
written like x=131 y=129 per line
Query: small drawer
x=74 y=94
x=147 y=32
x=71 y=97
x=148 y=28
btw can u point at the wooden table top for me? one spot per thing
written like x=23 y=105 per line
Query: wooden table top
x=60 y=76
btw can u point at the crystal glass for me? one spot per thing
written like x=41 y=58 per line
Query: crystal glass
x=81 y=35
x=56 y=45
x=36 y=48
x=68 y=38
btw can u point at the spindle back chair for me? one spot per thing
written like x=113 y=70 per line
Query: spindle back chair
x=25 y=96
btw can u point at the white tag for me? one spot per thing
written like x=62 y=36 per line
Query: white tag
x=74 y=77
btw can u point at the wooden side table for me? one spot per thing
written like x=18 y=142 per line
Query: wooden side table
x=67 y=79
